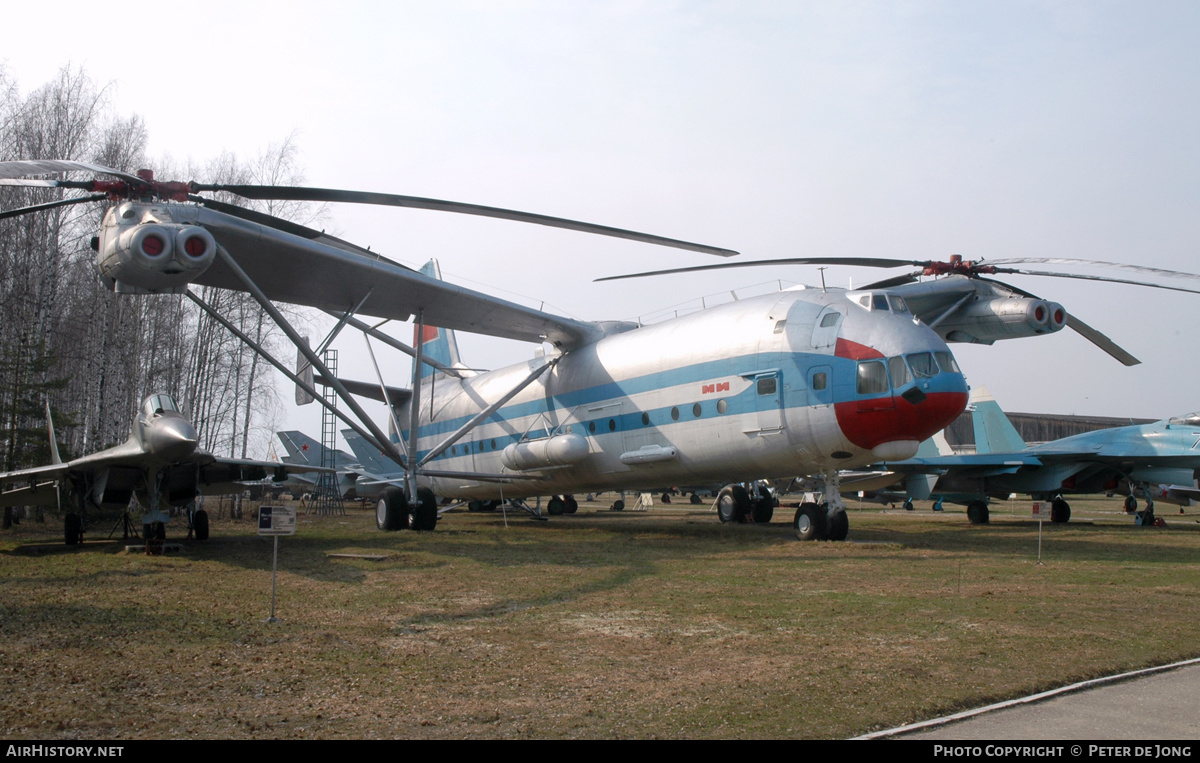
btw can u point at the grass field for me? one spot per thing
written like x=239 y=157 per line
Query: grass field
x=639 y=624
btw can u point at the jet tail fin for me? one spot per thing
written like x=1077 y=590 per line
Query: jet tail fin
x=54 y=457
x=994 y=433
x=436 y=343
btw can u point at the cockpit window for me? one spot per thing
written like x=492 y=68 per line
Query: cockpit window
x=879 y=302
x=1190 y=420
x=897 y=304
x=872 y=377
x=946 y=361
x=899 y=372
x=159 y=403
x=922 y=365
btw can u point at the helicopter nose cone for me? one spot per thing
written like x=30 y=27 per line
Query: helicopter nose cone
x=172 y=438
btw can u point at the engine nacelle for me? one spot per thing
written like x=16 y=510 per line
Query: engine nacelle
x=559 y=450
x=142 y=250
x=987 y=320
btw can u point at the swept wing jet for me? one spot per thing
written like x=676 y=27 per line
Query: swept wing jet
x=161 y=464
x=1157 y=462
x=804 y=381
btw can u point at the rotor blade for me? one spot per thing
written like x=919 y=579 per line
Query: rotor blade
x=1101 y=341
x=49 y=166
x=865 y=262
x=1084 y=277
x=1095 y=263
x=296 y=193
x=888 y=283
x=51 y=205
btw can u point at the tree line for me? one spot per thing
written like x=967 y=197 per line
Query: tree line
x=94 y=355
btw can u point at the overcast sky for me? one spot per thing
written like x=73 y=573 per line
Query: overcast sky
x=890 y=129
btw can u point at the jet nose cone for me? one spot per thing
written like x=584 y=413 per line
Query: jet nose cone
x=172 y=438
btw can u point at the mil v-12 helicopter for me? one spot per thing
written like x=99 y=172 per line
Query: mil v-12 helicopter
x=804 y=381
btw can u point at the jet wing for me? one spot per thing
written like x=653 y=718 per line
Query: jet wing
x=38 y=485
x=222 y=476
x=326 y=273
x=977 y=465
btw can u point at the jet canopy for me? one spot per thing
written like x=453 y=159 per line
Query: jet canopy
x=1187 y=420
x=158 y=404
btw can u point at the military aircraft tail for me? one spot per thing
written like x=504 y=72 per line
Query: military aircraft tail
x=372 y=461
x=303 y=449
x=436 y=343
x=54 y=457
x=994 y=433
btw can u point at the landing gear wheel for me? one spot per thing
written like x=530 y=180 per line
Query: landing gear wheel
x=391 y=513
x=666 y=498
x=475 y=506
x=733 y=504
x=200 y=524
x=618 y=505
x=1060 y=511
x=572 y=505
x=937 y=505
x=763 y=507
x=72 y=529
x=977 y=512
x=810 y=522
x=839 y=526
x=908 y=504
x=424 y=514
x=556 y=506
x=695 y=499
x=1130 y=504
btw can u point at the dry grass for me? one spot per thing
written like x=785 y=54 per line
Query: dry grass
x=654 y=624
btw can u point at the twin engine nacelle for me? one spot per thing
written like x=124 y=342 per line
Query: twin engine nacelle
x=141 y=250
x=987 y=320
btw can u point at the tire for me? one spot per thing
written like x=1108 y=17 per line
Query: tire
x=391 y=512
x=556 y=507
x=425 y=514
x=572 y=505
x=908 y=506
x=839 y=526
x=475 y=506
x=1060 y=511
x=733 y=504
x=200 y=524
x=764 y=509
x=695 y=499
x=618 y=505
x=666 y=498
x=1130 y=504
x=810 y=522
x=977 y=512
x=72 y=529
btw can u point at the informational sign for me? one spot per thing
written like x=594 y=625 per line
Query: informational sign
x=277 y=520
x=1041 y=511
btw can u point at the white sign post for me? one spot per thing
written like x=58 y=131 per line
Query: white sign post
x=1041 y=512
x=276 y=521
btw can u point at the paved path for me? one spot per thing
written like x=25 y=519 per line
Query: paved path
x=1160 y=705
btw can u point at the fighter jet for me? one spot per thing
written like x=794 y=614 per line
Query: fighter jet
x=161 y=464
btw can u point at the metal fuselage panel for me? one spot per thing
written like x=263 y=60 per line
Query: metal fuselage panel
x=756 y=388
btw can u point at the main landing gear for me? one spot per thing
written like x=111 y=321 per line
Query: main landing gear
x=826 y=521
x=393 y=511
x=734 y=504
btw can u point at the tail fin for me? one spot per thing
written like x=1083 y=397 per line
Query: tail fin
x=436 y=343
x=994 y=433
x=54 y=457
x=372 y=461
x=303 y=449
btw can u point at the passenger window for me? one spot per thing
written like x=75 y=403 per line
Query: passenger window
x=872 y=377
x=922 y=365
x=830 y=319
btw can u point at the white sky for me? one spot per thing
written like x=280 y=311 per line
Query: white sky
x=889 y=129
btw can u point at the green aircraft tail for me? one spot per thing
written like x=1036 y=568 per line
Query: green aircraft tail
x=994 y=433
